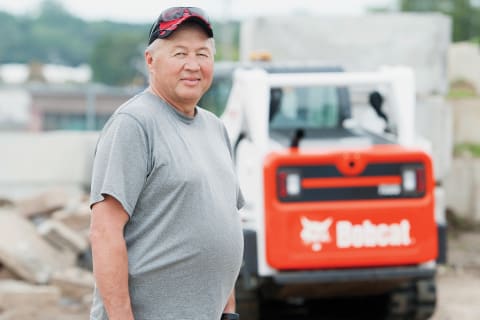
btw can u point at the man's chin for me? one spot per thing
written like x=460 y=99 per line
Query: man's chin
x=191 y=95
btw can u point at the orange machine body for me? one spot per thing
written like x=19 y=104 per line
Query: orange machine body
x=352 y=209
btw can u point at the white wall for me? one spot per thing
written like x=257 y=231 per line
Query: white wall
x=462 y=188
x=32 y=162
x=358 y=42
x=466 y=120
x=433 y=121
x=464 y=63
x=15 y=105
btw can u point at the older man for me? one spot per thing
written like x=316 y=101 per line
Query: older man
x=166 y=234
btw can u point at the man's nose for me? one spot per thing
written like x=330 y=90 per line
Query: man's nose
x=192 y=63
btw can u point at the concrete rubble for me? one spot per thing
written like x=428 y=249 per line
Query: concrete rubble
x=63 y=237
x=43 y=247
x=16 y=294
x=43 y=203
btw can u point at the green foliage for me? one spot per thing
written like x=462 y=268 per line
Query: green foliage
x=13 y=47
x=114 y=50
x=471 y=149
x=465 y=16
x=461 y=93
x=227 y=39
x=55 y=36
x=423 y=5
x=115 y=58
x=43 y=38
x=461 y=88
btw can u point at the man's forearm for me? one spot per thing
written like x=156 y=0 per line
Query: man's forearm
x=230 y=306
x=110 y=266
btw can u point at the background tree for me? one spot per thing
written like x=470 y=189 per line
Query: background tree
x=51 y=30
x=465 y=15
x=117 y=58
x=114 y=50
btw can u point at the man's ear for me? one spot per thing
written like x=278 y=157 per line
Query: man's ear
x=148 y=58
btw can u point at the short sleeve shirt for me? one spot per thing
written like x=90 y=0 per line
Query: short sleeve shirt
x=174 y=176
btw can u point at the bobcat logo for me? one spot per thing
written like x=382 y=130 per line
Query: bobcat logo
x=315 y=233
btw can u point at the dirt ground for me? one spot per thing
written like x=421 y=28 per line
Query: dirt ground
x=458 y=287
x=459 y=281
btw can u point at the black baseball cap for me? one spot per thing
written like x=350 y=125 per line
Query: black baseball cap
x=171 y=18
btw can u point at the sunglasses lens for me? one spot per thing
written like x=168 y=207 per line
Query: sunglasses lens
x=178 y=12
x=172 y=14
x=198 y=12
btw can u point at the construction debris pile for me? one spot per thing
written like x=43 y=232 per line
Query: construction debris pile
x=45 y=257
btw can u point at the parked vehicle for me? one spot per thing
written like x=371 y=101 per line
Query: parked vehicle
x=333 y=209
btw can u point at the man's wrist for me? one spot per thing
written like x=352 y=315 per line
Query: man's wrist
x=230 y=316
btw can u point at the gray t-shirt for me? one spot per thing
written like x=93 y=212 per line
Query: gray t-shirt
x=174 y=176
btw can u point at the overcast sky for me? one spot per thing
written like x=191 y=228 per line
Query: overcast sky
x=144 y=11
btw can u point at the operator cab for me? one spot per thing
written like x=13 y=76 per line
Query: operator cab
x=301 y=115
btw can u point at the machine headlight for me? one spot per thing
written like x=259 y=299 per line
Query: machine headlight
x=413 y=180
x=293 y=184
x=409 y=180
x=289 y=184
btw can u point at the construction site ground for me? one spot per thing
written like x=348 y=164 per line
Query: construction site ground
x=459 y=281
x=458 y=288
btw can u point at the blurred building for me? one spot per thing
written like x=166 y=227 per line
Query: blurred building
x=36 y=155
x=69 y=108
x=15 y=109
x=46 y=107
x=39 y=97
x=15 y=73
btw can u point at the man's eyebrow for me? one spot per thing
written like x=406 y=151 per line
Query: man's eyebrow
x=203 y=48
x=179 y=46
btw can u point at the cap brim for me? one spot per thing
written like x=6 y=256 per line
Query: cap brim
x=205 y=25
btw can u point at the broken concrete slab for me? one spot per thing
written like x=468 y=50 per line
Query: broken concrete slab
x=74 y=282
x=43 y=203
x=62 y=237
x=18 y=294
x=7 y=274
x=25 y=253
x=5 y=202
x=77 y=218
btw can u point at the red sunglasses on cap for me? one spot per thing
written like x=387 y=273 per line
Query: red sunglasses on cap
x=171 y=18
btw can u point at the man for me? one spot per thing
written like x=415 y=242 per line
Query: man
x=165 y=231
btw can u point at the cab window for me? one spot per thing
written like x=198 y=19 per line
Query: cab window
x=304 y=107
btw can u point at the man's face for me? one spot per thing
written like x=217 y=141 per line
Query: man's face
x=181 y=68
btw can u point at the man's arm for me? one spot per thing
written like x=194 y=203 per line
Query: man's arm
x=230 y=306
x=110 y=259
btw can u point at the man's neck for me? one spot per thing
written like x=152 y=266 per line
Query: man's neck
x=188 y=110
